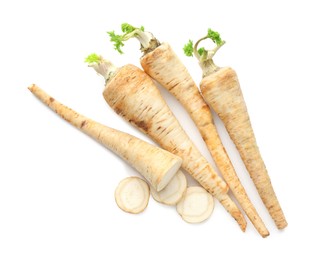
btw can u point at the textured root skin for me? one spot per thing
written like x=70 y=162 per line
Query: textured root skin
x=229 y=205
x=222 y=92
x=165 y=67
x=133 y=95
x=151 y=161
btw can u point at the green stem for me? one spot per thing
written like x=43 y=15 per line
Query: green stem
x=206 y=59
x=212 y=52
x=147 y=41
x=196 y=53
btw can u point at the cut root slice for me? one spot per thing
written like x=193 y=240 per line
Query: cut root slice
x=196 y=205
x=173 y=191
x=132 y=195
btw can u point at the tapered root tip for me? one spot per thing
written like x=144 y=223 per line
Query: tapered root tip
x=31 y=87
x=277 y=215
x=241 y=222
x=282 y=225
x=264 y=235
x=234 y=211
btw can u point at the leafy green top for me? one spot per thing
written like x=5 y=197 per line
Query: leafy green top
x=205 y=56
x=215 y=37
x=128 y=28
x=189 y=49
x=101 y=66
x=93 y=58
x=147 y=40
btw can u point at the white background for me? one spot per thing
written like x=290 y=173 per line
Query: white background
x=57 y=185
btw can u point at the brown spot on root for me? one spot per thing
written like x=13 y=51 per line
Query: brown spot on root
x=83 y=124
x=51 y=99
x=141 y=124
x=174 y=86
x=117 y=110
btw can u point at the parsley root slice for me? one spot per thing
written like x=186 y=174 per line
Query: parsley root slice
x=132 y=195
x=132 y=94
x=173 y=191
x=221 y=90
x=155 y=164
x=196 y=205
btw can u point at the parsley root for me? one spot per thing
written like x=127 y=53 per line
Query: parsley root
x=155 y=164
x=221 y=90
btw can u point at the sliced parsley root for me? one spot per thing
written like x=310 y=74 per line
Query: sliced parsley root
x=221 y=90
x=173 y=191
x=196 y=205
x=132 y=195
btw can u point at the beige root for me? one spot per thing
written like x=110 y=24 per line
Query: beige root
x=222 y=92
x=155 y=164
x=165 y=67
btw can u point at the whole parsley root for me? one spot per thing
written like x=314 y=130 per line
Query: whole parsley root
x=221 y=90
x=155 y=164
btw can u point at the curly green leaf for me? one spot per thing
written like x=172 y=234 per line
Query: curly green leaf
x=201 y=51
x=214 y=36
x=189 y=49
x=93 y=58
x=147 y=40
x=127 y=28
x=117 y=40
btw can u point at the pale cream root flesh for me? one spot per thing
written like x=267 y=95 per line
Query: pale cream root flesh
x=132 y=195
x=165 y=67
x=168 y=176
x=134 y=96
x=174 y=190
x=196 y=205
x=222 y=92
x=155 y=164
